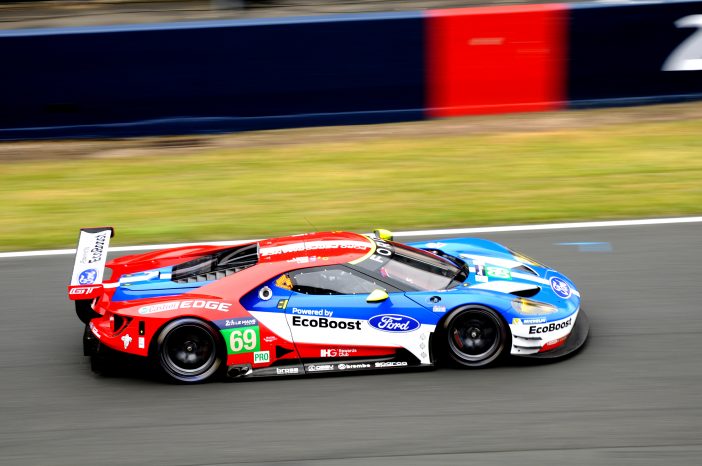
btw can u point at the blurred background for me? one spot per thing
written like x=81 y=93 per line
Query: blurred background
x=179 y=121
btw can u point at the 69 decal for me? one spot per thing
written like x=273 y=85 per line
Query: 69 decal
x=242 y=339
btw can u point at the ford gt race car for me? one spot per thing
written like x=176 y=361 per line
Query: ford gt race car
x=321 y=303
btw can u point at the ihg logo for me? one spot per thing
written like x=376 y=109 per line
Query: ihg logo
x=261 y=357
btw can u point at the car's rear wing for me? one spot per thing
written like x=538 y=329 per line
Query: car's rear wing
x=88 y=269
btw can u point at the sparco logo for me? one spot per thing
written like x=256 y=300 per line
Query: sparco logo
x=390 y=363
x=553 y=326
x=394 y=323
x=323 y=322
x=94 y=254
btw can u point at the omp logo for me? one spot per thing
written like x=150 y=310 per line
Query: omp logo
x=320 y=367
x=394 y=323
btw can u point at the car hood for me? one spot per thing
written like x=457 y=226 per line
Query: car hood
x=497 y=270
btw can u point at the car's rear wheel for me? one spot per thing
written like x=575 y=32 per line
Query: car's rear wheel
x=476 y=336
x=188 y=351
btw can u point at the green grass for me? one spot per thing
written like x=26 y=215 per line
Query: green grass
x=622 y=171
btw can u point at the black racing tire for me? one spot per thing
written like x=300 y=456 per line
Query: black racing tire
x=476 y=336
x=189 y=351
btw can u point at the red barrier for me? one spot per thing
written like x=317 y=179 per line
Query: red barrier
x=496 y=59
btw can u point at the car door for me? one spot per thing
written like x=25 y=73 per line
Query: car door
x=331 y=318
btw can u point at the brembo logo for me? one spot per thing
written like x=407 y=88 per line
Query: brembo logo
x=394 y=323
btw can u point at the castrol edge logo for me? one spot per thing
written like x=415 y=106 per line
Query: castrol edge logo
x=185 y=304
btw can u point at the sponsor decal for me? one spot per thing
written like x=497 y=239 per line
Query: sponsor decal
x=437 y=245
x=528 y=321
x=552 y=327
x=391 y=364
x=343 y=367
x=141 y=343
x=439 y=309
x=320 y=367
x=312 y=312
x=534 y=320
x=240 y=322
x=126 y=339
x=191 y=304
x=323 y=322
x=242 y=339
x=94 y=254
x=282 y=304
x=497 y=272
x=284 y=282
x=83 y=290
x=265 y=293
x=260 y=357
x=394 y=323
x=270 y=339
x=286 y=370
x=94 y=330
x=313 y=246
x=87 y=277
x=337 y=352
x=560 y=287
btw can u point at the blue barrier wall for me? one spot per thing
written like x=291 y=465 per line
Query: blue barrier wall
x=238 y=75
x=212 y=76
x=617 y=54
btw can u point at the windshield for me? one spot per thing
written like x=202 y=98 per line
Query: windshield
x=411 y=269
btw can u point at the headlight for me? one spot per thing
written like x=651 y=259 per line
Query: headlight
x=532 y=308
x=526 y=259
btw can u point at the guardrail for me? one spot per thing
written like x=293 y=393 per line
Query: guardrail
x=219 y=76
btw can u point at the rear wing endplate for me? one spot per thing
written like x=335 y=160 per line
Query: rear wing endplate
x=89 y=266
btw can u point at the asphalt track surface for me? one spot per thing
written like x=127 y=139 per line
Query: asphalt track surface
x=631 y=397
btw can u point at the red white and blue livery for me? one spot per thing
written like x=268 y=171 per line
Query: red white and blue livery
x=320 y=303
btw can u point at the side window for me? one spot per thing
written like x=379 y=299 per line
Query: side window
x=333 y=280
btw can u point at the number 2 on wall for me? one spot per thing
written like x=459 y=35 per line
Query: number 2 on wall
x=688 y=55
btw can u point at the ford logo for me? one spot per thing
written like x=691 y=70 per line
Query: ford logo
x=394 y=323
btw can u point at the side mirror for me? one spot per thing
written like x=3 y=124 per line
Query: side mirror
x=377 y=296
x=383 y=234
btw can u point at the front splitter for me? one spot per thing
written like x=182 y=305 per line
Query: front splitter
x=575 y=340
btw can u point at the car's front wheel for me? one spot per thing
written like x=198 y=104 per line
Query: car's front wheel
x=476 y=336
x=188 y=351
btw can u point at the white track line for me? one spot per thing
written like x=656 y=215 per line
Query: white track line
x=399 y=234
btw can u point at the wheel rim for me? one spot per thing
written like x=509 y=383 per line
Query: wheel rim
x=189 y=350
x=474 y=336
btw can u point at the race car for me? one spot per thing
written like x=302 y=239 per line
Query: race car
x=321 y=303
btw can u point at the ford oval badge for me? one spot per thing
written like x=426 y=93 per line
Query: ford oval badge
x=394 y=323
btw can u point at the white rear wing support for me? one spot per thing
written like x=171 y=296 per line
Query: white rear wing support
x=89 y=266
